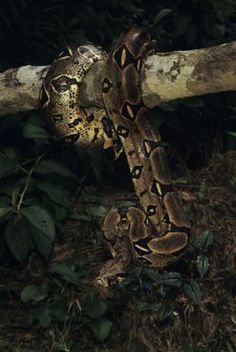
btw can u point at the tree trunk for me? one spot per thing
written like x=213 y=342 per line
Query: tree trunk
x=166 y=77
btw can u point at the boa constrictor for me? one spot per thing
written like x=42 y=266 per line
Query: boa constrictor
x=157 y=233
x=59 y=101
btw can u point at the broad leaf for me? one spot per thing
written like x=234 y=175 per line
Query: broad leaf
x=42 y=241
x=162 y=309
x=51 y=166
x=202 y=265
x=98 y=211
x=231 y=133
x=56 y=193
x=167 y=278
x=40 y=218
x=163 y=13
x=66 y=272
x=33 y=131
x=206 y=239
x=42 y=315
x=193 y=291
x=19 y=240
x=202 y=242
x=4 y=211
x=171 y=279
x=33 y=293
x=202 y=190
x=95 y=307
x=8 y=161
x=101 y=328
x=58 y=308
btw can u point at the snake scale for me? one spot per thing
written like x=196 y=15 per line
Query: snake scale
x=59 y=101
x=156 y=231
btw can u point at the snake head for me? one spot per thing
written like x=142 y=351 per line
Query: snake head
x=111 y=274
x=109 y=281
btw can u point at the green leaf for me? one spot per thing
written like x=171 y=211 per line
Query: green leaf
x=76 y=216
x=202 y=265
x=206 y=239
x=181 y=24
x=202 y=190
x=67 y=273
x=163 y=13
x=60 y=314
x=202 y=242
x=42 y=315
x=167 y=278
x=51 y=166
x=4 y=211
x=18 y=239
x=5 y=208
x=193 y=291
x=36 y=132
x=8 y=161
x=180 y=181
x=43 y=242
x=231 y=133
x=162 y=309
x=55 y=192
x=58 y=308
x=125 y=203
x=39 y=218
x=98 y=211
x=101 y=328
x=33 y=293
x=171 y=279
x=94 y=306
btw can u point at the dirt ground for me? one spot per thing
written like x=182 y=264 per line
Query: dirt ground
x=209 y=198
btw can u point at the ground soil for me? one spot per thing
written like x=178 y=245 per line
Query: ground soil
x=209 y=326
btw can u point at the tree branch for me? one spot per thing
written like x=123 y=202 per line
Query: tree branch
x=181 y=74
x=20 y=87
x=166 y=77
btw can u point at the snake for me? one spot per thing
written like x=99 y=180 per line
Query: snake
x=59 y=95
x=156 y=230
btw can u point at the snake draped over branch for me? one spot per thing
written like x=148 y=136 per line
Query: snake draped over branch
x=156 y=231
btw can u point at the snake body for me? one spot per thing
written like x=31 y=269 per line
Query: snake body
x=159 y=231
x=155 y=232
x=59 y=101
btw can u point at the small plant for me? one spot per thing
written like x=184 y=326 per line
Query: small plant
x=201 y=244
x=202 y=190
x=50 y=304
x=94 y=311
x=36 y=190
x=162 y=288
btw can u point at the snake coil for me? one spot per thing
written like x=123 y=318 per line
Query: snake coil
x=157 y=233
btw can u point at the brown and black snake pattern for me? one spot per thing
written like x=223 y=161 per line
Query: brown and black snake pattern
x=157 y=233
x=59 y=101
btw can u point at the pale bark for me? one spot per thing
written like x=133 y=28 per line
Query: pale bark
x=166 y=77
x=20 y=87
x=181 y=74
